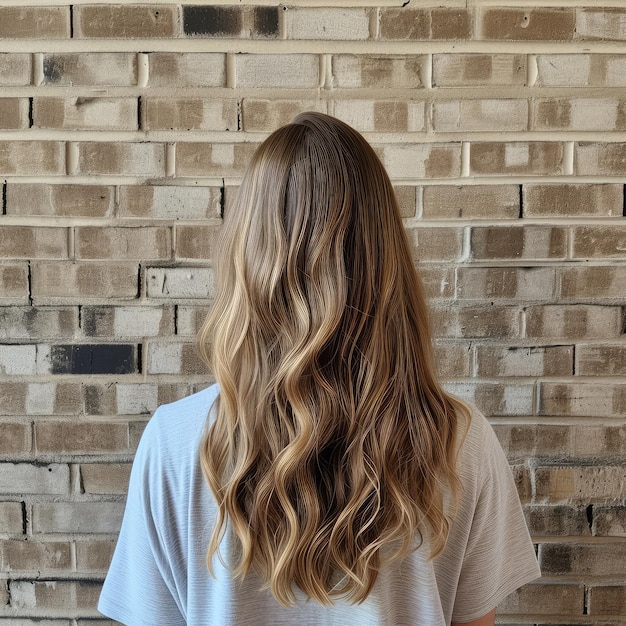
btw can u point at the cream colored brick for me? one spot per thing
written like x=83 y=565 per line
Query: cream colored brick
x=286 y=71
x=127 y=159
x=579 y=114
x=32 y=158
x=180 y=282
x=573 y=321
x=352 y=71
x=90 y=68
x=15 y=69
x=421 y=160
x=494 y=361
x=326 y=23
x=496 y=398
x=570 y=70
x=602 y=23
x=532 y=158
x=169 y=202
x=472 y=115
x=189 y=69
x=189 y=114
x=86 y=113
x=600 y=159
x=267 y=115
x=213 y=159
x=580 y=484
x=381 y=115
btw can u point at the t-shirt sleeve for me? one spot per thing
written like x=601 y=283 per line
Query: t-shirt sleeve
x=499 y=556
x=139 y=588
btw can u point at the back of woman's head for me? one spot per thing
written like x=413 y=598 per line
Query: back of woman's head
x=332 y=437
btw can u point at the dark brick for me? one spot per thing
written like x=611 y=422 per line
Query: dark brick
x=215 y=21
x=557 y=520
x=52 y=69
x=556 y=558
x=266 y=21
x=94 y=359
x=92 y=318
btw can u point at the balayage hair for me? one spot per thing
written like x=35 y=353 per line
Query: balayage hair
x=332 y=437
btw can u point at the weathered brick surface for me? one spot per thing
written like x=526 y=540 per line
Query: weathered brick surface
x=127 y=129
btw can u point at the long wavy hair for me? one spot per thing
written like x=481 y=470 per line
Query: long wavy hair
x=332 y=436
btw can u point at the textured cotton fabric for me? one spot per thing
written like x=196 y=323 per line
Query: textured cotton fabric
x=158 y=575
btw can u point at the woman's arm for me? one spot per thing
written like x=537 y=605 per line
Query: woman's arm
x=486 y=620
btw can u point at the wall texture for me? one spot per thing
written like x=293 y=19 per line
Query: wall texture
x=125 y=128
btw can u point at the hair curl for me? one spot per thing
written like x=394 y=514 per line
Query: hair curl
x=332 y=436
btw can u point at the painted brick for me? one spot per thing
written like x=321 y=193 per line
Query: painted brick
x=286 y=71
x=73 y=281
x=213 y=159
x=580 y=484
x=513 y=361
x=605 y=159
x=438 y=282
x=424 y=24
x=463 y=70
x=13 y=113
x=607 y=600
x=518 y=242
x=608 y=559
x=537 y=157
x=572 y=200
x=601 y=360
x=127 y=322
x=353 y=71
x=94 y=556
x=53 y=594
x=573 y=321
x=32 y=158
x=34 y=322
x=584 y=399
x=70 y=437
x=471 y=202
x=557 y=521
x=244 y=22
x=87 y=359
x=15 y=439
x=267 y=115
x=169 y=202
x=545 y=599
x=105 y=478
x=593 y=283
x=146 y=242
x=553 y=24
x=90 y=68
x=77 y=517
x=496 y=398
x=174 y=358
x=505 y=283
x=34 y=22
x=35 y=555
x=601 y=24
x=609 y=521
x=381 y=115
x=14 y=284
x=85 y=113
x=190 y=69
x=581 y=70
x=33 y=242
x=118 y=21
x=189 y=114
x=579 y=114
x=126 y=159
x=15 y=69
x=180 y=282
x=474 y=115
x=476 y=322
x=11 y=520
x=196 y=242
x=453 y=360
x=190 y=319
x=421 y=160
x=24 y=478
x=60 y=200
x=326 y=23
x=436 y=244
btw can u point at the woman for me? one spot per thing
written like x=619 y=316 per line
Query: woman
x=334 y=481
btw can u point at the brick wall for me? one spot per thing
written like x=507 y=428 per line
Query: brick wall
x=124 y=132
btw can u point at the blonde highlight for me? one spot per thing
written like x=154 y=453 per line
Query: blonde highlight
x=332 y=436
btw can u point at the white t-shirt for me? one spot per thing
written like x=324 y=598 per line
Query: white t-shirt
x=158 y=575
